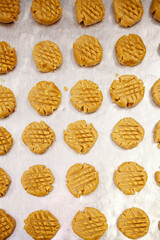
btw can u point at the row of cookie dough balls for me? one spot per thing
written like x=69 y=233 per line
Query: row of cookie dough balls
x=82 y=179
x=87 y=49
x=91 y=224
x=45 y=97
x=126 y=12
x=79 y=136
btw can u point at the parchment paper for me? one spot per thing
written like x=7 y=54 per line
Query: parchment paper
x=106 y=156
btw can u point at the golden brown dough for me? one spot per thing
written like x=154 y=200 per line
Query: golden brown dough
x=157 y=177
x=45 y=97
x=87 y=51
x=134 y=223
x=8 y=57
x=6 y=141
x=80 y=136
x=157 y=134
x=7 y=102
x=130 y=178
x=41 y=225
x=89 y=11
x=155 y=9
x=82 y=179
x=127 y=133
x=47 y=56
x=37 y=180
x=127 y=91
x=4 y=182
x=9 y=10
x=156 y=92
x=38 y=137
x=90 y=224
x=127 y=12
x=7 y=225
x=130 y=50
x=86 y=96
x=46 y=12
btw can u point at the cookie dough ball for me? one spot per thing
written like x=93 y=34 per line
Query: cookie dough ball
x=9 y=10
x=155 y=9
x=87 y=51
x=130 y=50
x=89 y=12
x=127 y=12
x=47 y=56
x=46 y=12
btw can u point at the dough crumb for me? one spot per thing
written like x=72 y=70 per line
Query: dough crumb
x=116 y=74
x=65 y=88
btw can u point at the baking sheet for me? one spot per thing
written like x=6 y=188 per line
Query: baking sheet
x=106 y=156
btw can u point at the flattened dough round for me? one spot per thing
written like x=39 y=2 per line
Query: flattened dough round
x=90 y=224
x=127 y=91
x=4 y=182
x=157 y=134
x=156 y=92
x=89 y=11
x=41 y=225
x=86 y=96
x=130 y=178
x=127 y=12
x=9 y=10
x=82 y=179
x=155 y=9
x=8 y=57
x=127 y=133
x=38 y=137
x=45 y=97
x=7 y=102
x=130 y=50
x=80 y=136
x=134 y=223
x=7 y=225
x=157 y=177
x=46 y=12
x=87 y=51
x=6 y=141
x=37 y=180
x=47 y=56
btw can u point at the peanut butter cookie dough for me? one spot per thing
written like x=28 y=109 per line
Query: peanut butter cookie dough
x=6 y=141
x=45 y=97
x=38 y=180
x=89 y=11
x=86 y=96
x=7 y=102
x=9 y=10
x=38 y=137
x=134 y=223
x=157 y=134
x=155 y=9
x=41 y=225
x=157 y=177
x=47 y=56
x=46 y=12
x=130 y=50
x=130 y=178
x=8 y=57
x=87 y=51
x=127 y=133
x=127 y=12
x=4 y=182
x=90 y=224
x=127 y=91
x=7 y=225
x=80 y=136
x=156 y=92
x=82 y=179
